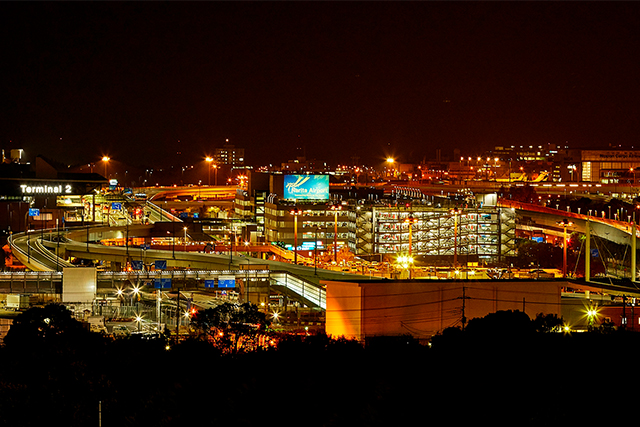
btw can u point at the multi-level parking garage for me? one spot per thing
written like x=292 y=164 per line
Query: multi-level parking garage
x=428 y=231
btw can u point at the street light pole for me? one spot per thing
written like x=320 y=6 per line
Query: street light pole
x=411 y=220
x=105 y=159
x=335 y=209
x=565 y=223
x=315 y=251
x=209 y=160
x=295 y=212
x=455 y=212
x=185 y=239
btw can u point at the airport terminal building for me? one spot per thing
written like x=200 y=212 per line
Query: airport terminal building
x=371 y=224
x=38 y=196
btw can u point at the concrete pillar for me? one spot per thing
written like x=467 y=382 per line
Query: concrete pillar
x=633 y=252
x=587 y=252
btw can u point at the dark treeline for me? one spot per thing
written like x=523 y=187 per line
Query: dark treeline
x=505 y=369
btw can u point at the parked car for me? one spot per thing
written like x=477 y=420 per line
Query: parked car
x=541 y=274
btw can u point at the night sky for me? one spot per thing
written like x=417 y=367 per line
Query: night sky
x=145 y=81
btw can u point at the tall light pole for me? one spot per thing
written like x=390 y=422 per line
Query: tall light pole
x=185 y=239
x=410 y=220
x=335 y=209
x=390 y=162
x=105 y=159
x=455 y=213
x=565 y=223
x=315 y=251
x=209 y=160
x=295 y=212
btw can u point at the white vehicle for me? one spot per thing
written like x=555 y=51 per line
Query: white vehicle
x=17 y=302
x=121 y=331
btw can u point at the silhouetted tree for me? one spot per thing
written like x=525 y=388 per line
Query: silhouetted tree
x=232 y=328
x=45 y=325
x=547 y=323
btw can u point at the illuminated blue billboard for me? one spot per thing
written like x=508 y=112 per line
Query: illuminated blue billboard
x=306 y=187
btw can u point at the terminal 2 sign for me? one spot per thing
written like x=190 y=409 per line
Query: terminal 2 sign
x=34 y=189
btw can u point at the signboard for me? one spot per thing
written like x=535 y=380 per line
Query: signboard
x=227 y=282
x=45 y=189
x=161 y=264
x=115 y=206
x=209 y=283
x=137 y=265
x=306 y=187
x=164 y=283
x=34 y=212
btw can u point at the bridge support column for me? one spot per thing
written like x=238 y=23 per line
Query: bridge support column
x=633 y=252
x=587 y=252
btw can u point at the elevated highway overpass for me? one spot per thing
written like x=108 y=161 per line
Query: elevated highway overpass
x=49 y=251
x=544 y=218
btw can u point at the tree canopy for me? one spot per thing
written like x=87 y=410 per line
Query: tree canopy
x=44 y=325
x=232 y=328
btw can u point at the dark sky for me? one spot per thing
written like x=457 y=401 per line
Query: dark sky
x=142 y=81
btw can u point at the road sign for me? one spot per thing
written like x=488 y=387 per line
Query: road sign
x=34 y=212
x=161 y=264
x=164 y=283
x=227 y=282
x=136 y=265
x=115 y=206
x=209 y=283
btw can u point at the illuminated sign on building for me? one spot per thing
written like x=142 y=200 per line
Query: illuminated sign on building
x=306 y=187
x=45 y=189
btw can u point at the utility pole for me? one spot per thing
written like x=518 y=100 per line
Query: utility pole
x=464 y=298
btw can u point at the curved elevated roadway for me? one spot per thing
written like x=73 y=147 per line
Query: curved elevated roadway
x=48 y=251
x=535 y=216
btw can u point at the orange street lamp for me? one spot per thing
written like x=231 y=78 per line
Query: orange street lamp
x=295 y=212
x=209 y=160
x=335 y=209
x=105 y=159
x=390 y=162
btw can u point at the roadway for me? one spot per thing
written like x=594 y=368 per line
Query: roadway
x=547 y=219
x=38 y=251
x=190 y=192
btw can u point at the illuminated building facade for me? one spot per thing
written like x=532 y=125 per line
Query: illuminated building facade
x=37 y=196
x=364 y=308
x=609 y=166
x=229 y=155
x=472 y=233
x=316 y=225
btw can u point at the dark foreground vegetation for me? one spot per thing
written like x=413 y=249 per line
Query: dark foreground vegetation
x=504 y=369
